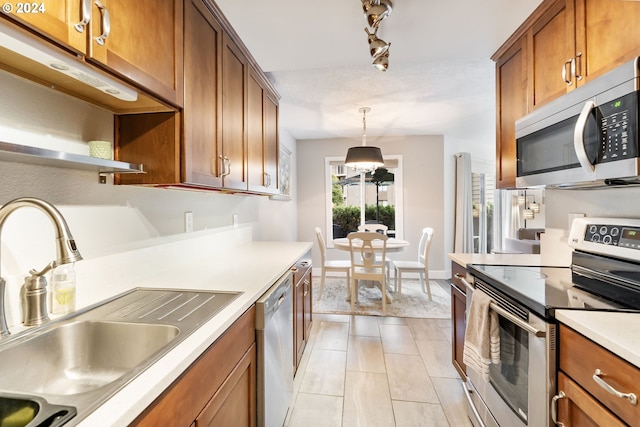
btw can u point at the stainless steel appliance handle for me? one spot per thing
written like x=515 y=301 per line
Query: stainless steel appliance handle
x=631 y=397
x=554 y=408
x=467 y=394
x=578 y=137
x=464 y=282
x=504 y=313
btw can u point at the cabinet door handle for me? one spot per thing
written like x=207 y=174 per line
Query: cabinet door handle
x=572 y=69
x=306 y=287
x=554 y=408
x=631 y=397
x=227 y=166
x=578 y=67
x=86 y=16
x=267 y=180
x=106 y=23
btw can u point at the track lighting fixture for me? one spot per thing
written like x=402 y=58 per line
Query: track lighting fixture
x=375 y=11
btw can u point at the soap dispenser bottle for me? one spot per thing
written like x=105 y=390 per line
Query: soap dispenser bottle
x=63 y=289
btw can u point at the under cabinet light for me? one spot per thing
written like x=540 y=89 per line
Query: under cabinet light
x=23 y=45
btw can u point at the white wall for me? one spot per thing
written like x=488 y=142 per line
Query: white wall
x=37 y=116
x=621 y=202
x=424 y=190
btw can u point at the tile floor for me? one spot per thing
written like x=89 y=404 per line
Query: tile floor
x=378 y=371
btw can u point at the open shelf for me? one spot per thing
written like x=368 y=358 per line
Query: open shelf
x=42 y=156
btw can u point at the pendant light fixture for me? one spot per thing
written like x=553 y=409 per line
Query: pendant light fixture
x=364 y=158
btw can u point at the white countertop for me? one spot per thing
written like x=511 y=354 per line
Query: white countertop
x=495 y=259
x=250 y=267
x=616 y=331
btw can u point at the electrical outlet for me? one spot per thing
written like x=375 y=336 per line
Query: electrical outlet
x=188 y=221
x=235 y=220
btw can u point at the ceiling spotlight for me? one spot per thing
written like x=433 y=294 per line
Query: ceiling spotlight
x=381 y=63
x=376 y=11
x=377 y=47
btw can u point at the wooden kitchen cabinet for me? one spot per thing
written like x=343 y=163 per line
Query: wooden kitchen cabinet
x=218 y=389
x=206 y=145
x=263 y=147
x=511 y=104
x=458 y=317
x=60 y=21
x=143 y=43
x=235 y=77
x=302 y=308
x=584 y=402
x=576 y=41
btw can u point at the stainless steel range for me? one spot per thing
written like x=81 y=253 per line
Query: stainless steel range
x=604 y=275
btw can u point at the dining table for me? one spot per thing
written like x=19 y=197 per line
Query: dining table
x=393 y=244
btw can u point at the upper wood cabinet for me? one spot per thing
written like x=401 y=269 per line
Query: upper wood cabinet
x=235 y=75
x=202 y=131
x=562 y=45
x=511 y=104
x=262 y=137
x=226 y=134
x=62 y=21
x=575 y=41
x=551 y=52
x=140 y=41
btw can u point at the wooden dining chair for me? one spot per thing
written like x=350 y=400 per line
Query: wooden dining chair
x=363 y=248
x=342 y=266
x=383 y=229
x=421 y=266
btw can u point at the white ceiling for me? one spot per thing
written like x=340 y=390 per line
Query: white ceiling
x=440 y=78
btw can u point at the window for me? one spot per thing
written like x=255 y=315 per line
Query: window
x=381 y=193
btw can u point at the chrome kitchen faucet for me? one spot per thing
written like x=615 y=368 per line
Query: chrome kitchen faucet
x=34 y=289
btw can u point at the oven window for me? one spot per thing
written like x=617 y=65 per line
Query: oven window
x=510 y=377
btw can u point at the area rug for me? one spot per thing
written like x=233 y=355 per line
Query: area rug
x=414 y=303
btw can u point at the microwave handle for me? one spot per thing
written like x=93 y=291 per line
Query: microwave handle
x=578 y=137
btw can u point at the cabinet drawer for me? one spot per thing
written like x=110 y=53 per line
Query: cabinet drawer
x=579 y=359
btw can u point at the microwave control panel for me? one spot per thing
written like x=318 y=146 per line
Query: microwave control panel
x=618 y=128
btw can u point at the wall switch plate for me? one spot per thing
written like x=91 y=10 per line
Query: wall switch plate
x=235 y=220
x=188 y=222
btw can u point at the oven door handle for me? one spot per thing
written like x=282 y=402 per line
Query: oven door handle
x=467 y=394
x=518 y=321
x=504 y=313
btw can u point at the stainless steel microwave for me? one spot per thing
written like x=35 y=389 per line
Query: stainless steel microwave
x=586 y=138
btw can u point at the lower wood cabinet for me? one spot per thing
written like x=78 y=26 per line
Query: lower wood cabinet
x=302 y=309
x=584 y=401
x=218 y=389
x=458 y=317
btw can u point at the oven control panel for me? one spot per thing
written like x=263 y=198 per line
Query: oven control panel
x=608 y=236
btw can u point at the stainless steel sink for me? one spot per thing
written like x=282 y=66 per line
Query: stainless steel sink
x=83 y=359
x=80 y=356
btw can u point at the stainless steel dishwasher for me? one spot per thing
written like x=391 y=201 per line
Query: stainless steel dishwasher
x=274 y=330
